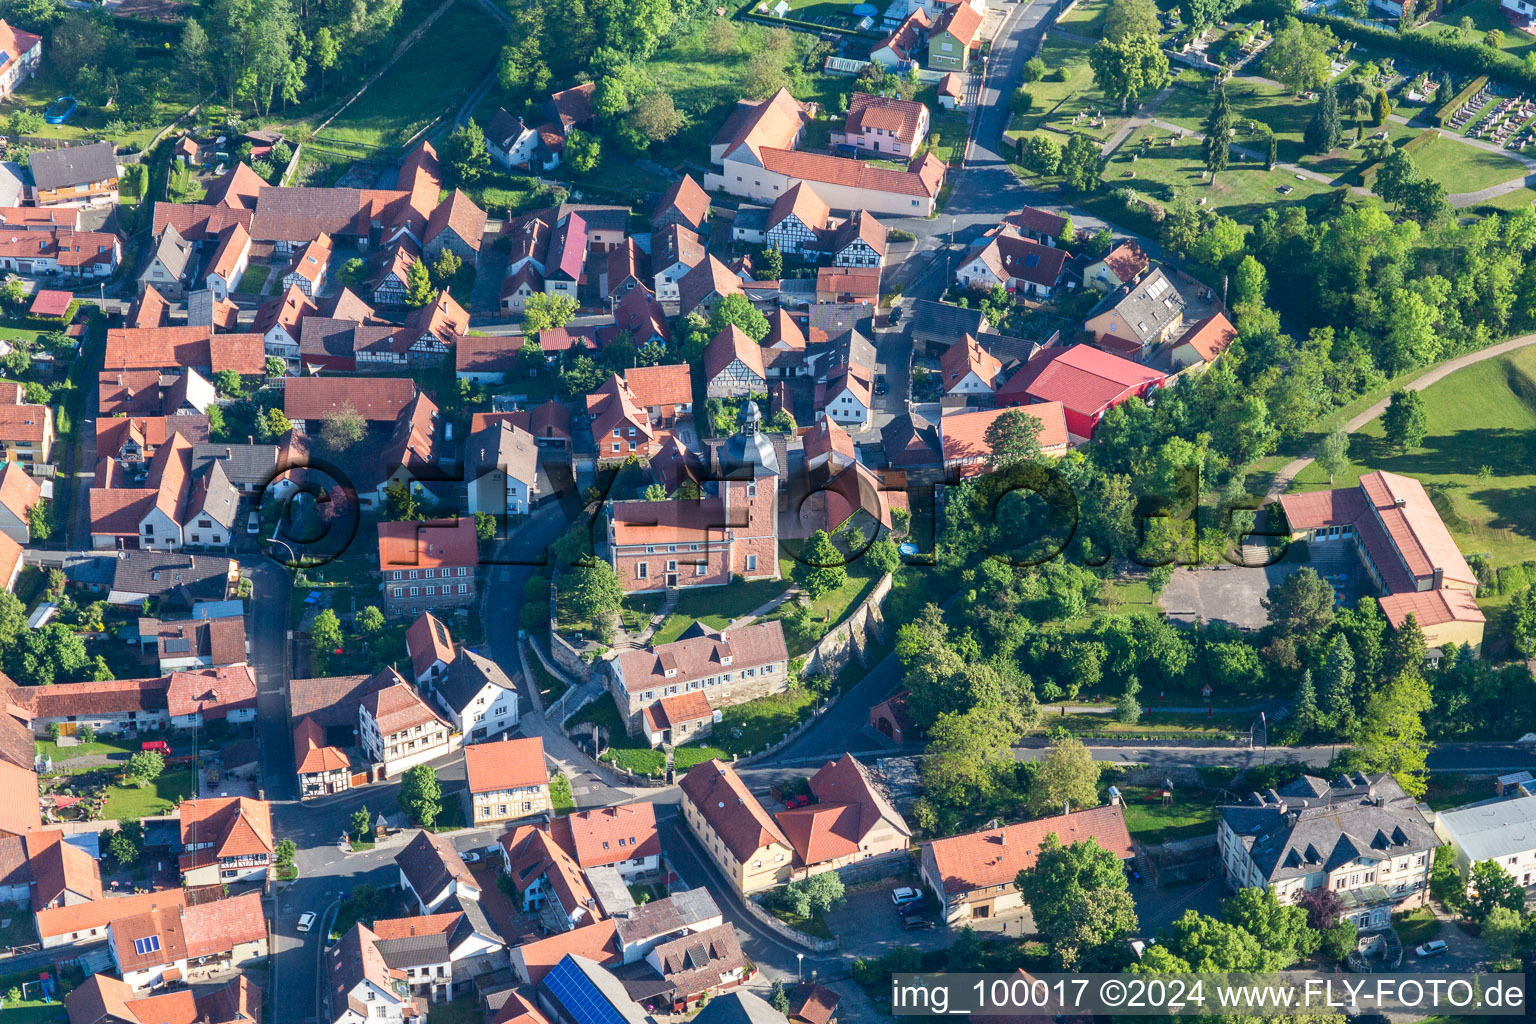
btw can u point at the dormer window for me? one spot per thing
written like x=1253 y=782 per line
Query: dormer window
x=669 y=673
x=726 y=659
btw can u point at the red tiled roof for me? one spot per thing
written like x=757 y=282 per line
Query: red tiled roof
x=966 y=357
x=907 y=35
x=963 y=435
x=837 y=170
x=730 y=810
x=19 y=811
x=238 y=826
x=379 y=399
x=1082 y=378
x=978 y=860
x=224 y=924
x=896 y=117
x=964 y=23
x=1127 y=260
x=18 y=491
x=1210 y=337
x=774 y=122
x=505 y=764
x=427 y=641
x=608 y=835
x=397 y=708
x=58 y=867
x=685 y=196
x=50 y=301
x=860 y=284
x=310 y=754
x=731 y=344
x=701 y=656
x=24 y=422
x=1430 y=607
x=82 y=917
x=660 y=385
x=595 y=941
x=211 y=692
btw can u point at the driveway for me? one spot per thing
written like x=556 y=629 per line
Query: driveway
x=868 y=925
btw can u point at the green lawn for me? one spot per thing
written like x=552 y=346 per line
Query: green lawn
x=17 y=929
x=628 y=752
x=1447 y=791
x=1150 y=821
x=815 y=925
x=252 y=280
x=716 y=607
x=158 y=797
x=1171 y=723
x=429 y=80
x=746 y=728
x=1485 y=15
x=108 y=746
x=551 y=687
x=1057 y=103
x=1416 y=927
x=1463 y=168
x=29 y=1010
x=1167 y=165
x=825 y=12
x=560 y=795
x=1482 y=415
x=463 y=1010
x=43 y=88
x=1086 y=18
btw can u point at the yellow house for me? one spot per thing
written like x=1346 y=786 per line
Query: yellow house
x=742 y=840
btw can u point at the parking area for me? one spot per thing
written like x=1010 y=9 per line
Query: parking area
x=868 y=924
x=1222 y=593
x=1159 y=907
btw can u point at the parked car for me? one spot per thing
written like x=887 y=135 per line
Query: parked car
x=916 y=906
x=879 y=383
x=905 y=895
x=912 y=922
x=895 y=314
x=1434 y=947
x=472 y=857
x=158 y=746
x=253 y=522
x=306 y=920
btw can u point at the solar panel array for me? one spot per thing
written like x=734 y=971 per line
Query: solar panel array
x=149 y=944
x=580 y=997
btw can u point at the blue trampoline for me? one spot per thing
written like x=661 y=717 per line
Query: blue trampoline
x=866 y=10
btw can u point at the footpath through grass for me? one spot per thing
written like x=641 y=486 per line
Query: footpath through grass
x=1475 y=461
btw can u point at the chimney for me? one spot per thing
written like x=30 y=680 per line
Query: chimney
x=1438 y=579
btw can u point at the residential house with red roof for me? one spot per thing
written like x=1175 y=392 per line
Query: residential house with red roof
x=796 y=220
x=115 y=706
x=954 y=36
x=849 y=821
x=963 y=435
x=1017 y=264
x=684 y=204
x=1401 y=541
x=310 y=400
x=1119 y=267
x=708 y=668
x=18 y=494
x=203 y=695
x=704 y=285
x=457 y=225
x=628 y=268
x=195 y=643
x=621 y=427
x=507 y=780
x=162 y=505
x=731 y=531
x=623 y=838
x=756 y=158
x=226 y=839
x=322 y=769
x=883 y=124
x=531 y=961
x=158 y=947
x=951 y=91
x=103 y=999
x=565 y=268
x=399 y=730
x=735 y=830
x=859 y=241
x=441 y=954
x=1086 y=381
x=547 y=881
x=840 y=284
x=486 y=358
x=733 y=365
x=903 y=47
x=966 y=369
x=639 y=315
x=973 y=874
x=26 y=431
x=1203 y=342
x=361 y=987
x=277 y=321
x=84 y=924
x=228 y=263
x=1037 y=225
x=664 y=392
x=63 y=875
x=310 y=264
x=172 y=350
x=23 y=53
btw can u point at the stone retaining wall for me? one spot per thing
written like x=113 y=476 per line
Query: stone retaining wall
x=794 y=935
x=851 y=638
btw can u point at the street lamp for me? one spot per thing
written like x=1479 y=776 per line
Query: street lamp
x=799 y=963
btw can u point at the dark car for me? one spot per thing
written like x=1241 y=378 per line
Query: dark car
x=911 y=907
x=913 y=922
x=879 y=383
x=895 y=314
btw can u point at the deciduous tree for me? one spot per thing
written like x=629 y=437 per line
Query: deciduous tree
x=1125 y=70
x=819 y=569
x=1129 y=18
x=1079 y=898
x=1406 y=421
x=421 y=798
x=1066 y=778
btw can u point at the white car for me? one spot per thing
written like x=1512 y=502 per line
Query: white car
x=472 y=857
x=306 y=920
x=253 y=522
x=1432 y=948
x=905 y=895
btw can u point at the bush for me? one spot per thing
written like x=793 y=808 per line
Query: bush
x=1034 y=70
x=1021 y=101
x=900 y=235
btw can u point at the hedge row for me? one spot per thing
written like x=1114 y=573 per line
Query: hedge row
x=1448 y=110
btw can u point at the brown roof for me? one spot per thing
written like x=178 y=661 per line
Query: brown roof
x=398 y=708
x=862 y=226
x=828 y=437
x=238 y=1002
x=117 y=696
x=775 y=122
x=966 y=357
x=670 y=712
x=460 y=214
x=239 y=187
x=237 y=826
x=594 y=941
x=311 y=261
x=1430 y=607
x=287 y=309
x=729 y=809
x=729 y=345
x=963 y=22
x=801 y=202
x=505 y=764
x=1210 y=337
x=532 y=854
x=430 y=863
x=82 y=917
x=687 y=198
x=574 y=105
x=963 y=435
x=58 y=867
x=18 y=491
x=860 y=284
x=486 y=353
x=1127 y=260
x=702 y=655
x=430 y=544
x=896 y=117
x=427 y=641
x=1041 y=222
x=378 y=399
x=695 y=962
x=917 y=180
x=708 y=277
x=651 y=386
x=608 y=835
x=813 y=1004
x=978 y=860
x=332 y=700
